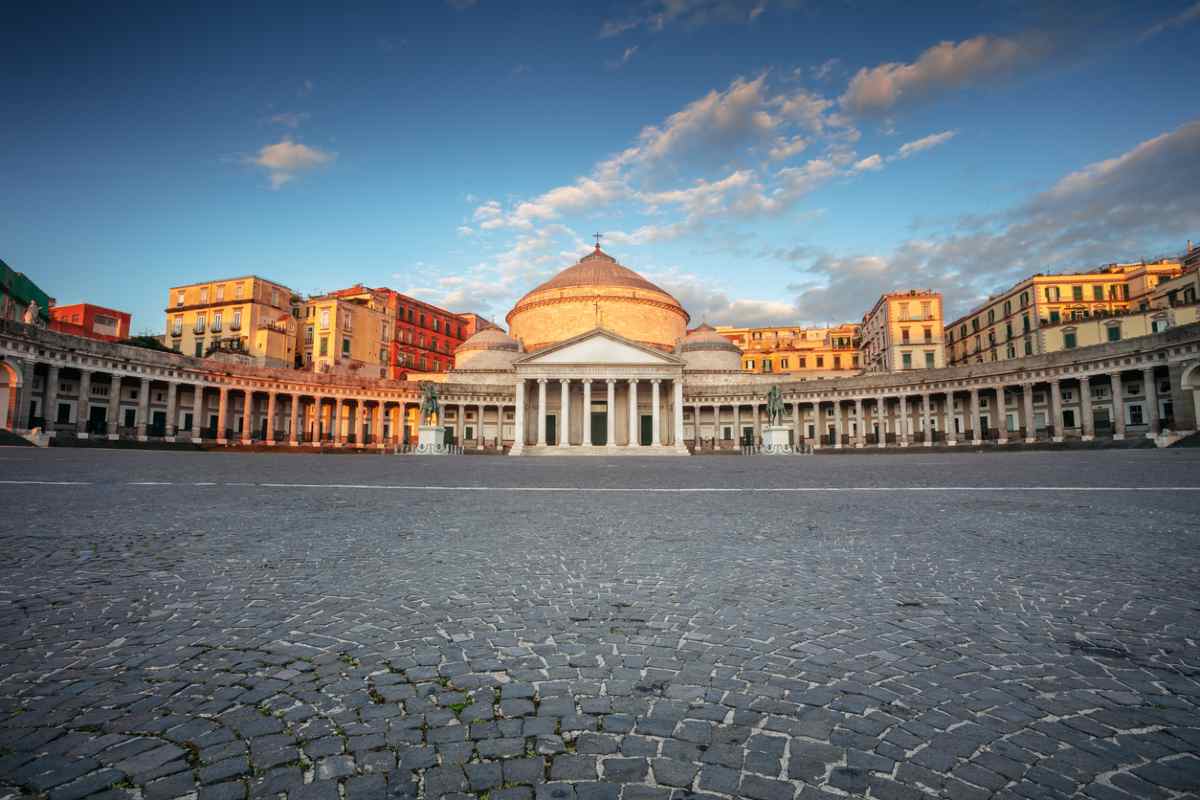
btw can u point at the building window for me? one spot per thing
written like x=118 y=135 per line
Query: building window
x=199 y=348
x=204 y=295
x=926 y=310
x=991 y=315
x=820 y=362
x=1007 y=307
x=236 y=324
x=220 y=292
x=904 y=311
x=929 y=362
x=1008 y=330
x=216 y=323
x=1028 y=347
x=1097 y=292
x=237 y=290
x=803 y=362
x=324 y=348
x=1012 y=352
x=766 y=365
x=1055 y=317
x=749 y=365
x=837 y=362
x=324 y=320
x=1114 y=333
x=1069 y=340
x=308 y=334
x=179 y=298
x=783 y=363
x=1024 y=299
x=347 y=322
x=904 y=335
x=906 y=359
x=275 y=297
x=1025 y=323
x=1076 y=292
x=199 y=324
x=345 y=345
x=177 y=326
x=1052 y=294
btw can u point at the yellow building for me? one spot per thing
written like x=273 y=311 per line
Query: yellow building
x=1181 y=291
x=1072 y=334
x=819 y=352
x=904 y=330
x=1006 y=326
x=343 y=334
x=243 y=315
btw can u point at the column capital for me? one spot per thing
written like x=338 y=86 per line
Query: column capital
x=656 y=381
x=631 y=381
x=564 y=381
x=610 y=381
x=585 y=380
x=543 y=380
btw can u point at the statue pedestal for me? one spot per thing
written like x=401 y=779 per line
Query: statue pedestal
x=776 y=441
x=430 y=440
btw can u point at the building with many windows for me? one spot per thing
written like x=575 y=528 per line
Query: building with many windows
x=904 y=330
x=342 y=332
x=236 y=315
x=1007 y=325
x=17 y=291
x=815 y=352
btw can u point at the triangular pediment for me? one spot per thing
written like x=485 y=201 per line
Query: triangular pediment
x=599 y=347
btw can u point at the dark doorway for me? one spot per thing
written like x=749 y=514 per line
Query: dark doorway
x=130 y=417
x=187 y=422
x=97 y=417
x=599 y=428
x=64 y=413
x=159 y=426
x=551 y=429
x=647 y=431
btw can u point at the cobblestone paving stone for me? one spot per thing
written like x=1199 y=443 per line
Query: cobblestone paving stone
x=227 y=642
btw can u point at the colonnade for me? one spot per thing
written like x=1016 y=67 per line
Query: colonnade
x=602 y=392
x=1000 y=412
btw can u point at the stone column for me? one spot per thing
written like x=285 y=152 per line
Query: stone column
x=587 y=412
x=143 y=408
x=1030 y=422
x=860 y=427
x=479 y=409
x=817 y=432
x=1118 y=406
x=677 y=386
x=837 y=423
x=50 y=399
x=655 y=436
x=377 y=437
x=359 y=416
x=737 y=424
x=1056 y=415
x=1001 y=415
x=541 y=424
x=757 y=422
x=84 y=407
x=222 y=414
x=335 y=421
x=247 y=416
x=197 y=411
x=927 y=419
x=114 y=408
x=564 y=410
x=904 y=422
x=293 y=420
x=519 y=433
x=977 y=435
x=634 y=439
x=1087 y=425
x=797 y=431
x=271 y=401
x=881 y=418
x=1151 y=394
x=460 y=424
x=948 y=413
x=610 y=414
x=172 y=411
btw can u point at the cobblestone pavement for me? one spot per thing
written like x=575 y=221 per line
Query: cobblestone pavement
x=870 y=637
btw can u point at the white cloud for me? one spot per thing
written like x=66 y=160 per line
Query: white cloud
x=465 y=230
x=720 y=120
x=629 y=53
x=691 y=13
x=784 y=148
x=1186 y=17
x=925 y=143
x=870 y=163
x=943 y=67
x=1138 y=204
x=285 y=159
x=705 y=302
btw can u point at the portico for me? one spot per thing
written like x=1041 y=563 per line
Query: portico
x=599 y=393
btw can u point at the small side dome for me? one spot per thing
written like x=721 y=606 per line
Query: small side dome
x=705 y=349
x=490 y=348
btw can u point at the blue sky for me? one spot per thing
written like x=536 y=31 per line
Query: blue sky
x=769 y=162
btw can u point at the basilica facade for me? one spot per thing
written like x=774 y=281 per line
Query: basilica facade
x=598 y=360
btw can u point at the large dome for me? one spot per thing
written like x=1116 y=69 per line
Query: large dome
x=705 y=349
x=597 y=292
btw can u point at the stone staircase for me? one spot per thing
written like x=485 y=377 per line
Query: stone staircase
x=579 y=450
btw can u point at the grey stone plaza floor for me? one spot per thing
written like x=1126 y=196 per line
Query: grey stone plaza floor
x=900 y=625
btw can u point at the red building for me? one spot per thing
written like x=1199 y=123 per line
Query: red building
x=94 y=322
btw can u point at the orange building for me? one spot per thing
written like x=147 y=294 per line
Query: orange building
x=94 y=322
